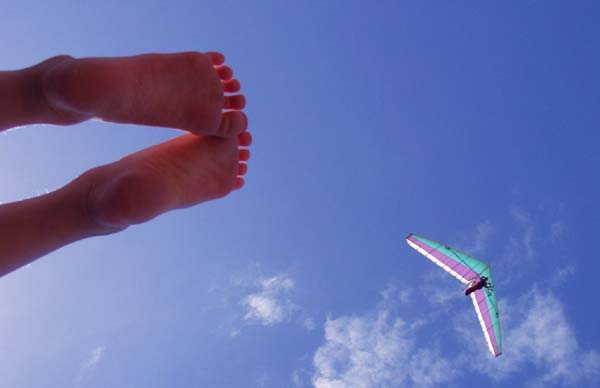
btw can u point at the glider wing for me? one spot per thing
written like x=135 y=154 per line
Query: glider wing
x=467 y=269
x=484 y=301
x=460 y=265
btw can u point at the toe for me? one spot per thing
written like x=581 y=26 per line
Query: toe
x=242 y=169
x=239 y=182
x=225 y=72
x=231 y=86
x=244 y=139
x=216 y=57
x=235 y=102
x=232 y=123
x=244 y=155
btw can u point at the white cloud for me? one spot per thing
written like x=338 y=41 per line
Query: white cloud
x=377 y=349
x=252 y=298
x=272 y=303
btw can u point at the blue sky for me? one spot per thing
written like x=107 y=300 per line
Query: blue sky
x=472 y=124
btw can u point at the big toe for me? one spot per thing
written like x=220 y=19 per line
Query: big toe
x=232 y=123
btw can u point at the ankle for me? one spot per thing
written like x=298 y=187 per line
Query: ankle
x=121 y=199
x=85 y=188
x=52 y=79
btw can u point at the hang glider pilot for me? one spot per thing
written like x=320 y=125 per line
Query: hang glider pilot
x=476 y=284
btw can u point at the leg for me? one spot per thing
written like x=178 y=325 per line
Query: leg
x=22 y=101
x=179 y=173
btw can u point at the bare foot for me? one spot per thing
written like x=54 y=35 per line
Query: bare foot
x=183 y=90
x=179 y=173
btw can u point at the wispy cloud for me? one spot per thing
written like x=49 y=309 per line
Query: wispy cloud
x=556 y=230
x=439 y=288
x=296 y=379
x=392 y=292
x=309 y=324
x=479 y=241
x=522 y=244
x=272 y=303
x=562 y=274
x=93 y=358
x=263 y=379
x=520 y=249
x=428 y=369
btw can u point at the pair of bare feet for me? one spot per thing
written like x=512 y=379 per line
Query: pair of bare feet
x=190 y=91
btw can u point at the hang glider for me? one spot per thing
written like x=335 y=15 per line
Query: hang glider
x=477 y=278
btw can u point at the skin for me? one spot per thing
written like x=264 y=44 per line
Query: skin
x=191 y=91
